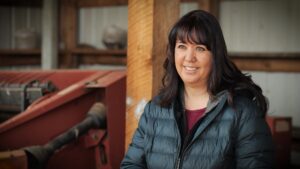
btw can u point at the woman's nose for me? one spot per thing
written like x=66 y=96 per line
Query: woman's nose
x=190 y=55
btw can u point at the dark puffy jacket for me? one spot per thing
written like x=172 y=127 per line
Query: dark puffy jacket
x=227 y=137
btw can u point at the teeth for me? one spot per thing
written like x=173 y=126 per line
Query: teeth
x=190 y=68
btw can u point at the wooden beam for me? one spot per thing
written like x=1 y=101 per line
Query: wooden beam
x=98 y=56
x=103 y=59
x=270 y=55
x=22 y=3
x=100 y=3
x=68 y=29
x=18 y=57
x=268 y=65
x=188 y=0
x=148 y=26
x=89 y=51
x=17 y=60
x=211 y=6
x=10 y=52
x=163 y=20
x=269 y=62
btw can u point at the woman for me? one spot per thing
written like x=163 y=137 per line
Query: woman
x=208 y=115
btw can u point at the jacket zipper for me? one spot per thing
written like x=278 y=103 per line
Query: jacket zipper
x=186 y=145
x=178 y=163
x=181 y=155
x=178 y=159
x=182 y=152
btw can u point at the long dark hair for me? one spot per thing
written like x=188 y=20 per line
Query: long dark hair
x=201 y=27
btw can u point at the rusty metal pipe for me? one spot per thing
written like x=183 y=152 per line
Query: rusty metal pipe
x=39 y=155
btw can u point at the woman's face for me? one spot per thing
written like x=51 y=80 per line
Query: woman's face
x=193 y=63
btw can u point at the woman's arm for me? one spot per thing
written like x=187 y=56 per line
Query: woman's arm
x=135 y=156
x=254 y=145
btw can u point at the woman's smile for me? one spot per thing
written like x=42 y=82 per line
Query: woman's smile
x=191 y=68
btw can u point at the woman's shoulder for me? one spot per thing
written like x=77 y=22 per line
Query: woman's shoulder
x=246 y=106
x=154 y=109
x=153 y=103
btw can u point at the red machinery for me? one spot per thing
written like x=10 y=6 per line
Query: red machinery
x=52 y=113
x=281 y=128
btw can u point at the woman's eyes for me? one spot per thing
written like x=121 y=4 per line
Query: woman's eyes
x=200 y=49
x=181 y=47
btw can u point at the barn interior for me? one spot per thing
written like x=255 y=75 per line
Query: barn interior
x=59 y=57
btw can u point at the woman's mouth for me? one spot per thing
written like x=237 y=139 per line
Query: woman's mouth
x=190 y=68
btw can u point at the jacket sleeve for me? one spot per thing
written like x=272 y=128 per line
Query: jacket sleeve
x=254 y=146
x=135 y=156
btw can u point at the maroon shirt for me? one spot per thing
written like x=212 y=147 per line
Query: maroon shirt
x=193 y=116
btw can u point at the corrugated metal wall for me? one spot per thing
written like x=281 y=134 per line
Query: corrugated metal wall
x=93 y=21
x=283 y=92
x=261 y=25
x=13 y=19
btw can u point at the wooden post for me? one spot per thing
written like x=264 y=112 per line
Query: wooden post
x=68 y=30
x=148 y=26
x=212 y=6
x=49 y=35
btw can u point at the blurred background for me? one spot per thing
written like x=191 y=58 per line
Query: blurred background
x=262 y=36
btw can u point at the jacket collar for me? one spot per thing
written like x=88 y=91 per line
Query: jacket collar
x=212 y=103
x=215 y=100
x=213 y=109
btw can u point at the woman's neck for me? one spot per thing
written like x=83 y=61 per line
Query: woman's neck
x=195 y=98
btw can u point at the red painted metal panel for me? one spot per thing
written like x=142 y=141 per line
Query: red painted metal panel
x=281 y=128
x=54 y=114
x=13 y=160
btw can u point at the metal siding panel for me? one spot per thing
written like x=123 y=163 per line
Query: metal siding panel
x=35 y=19
x=93 y=21
x=20 y=18
x=5 y=28
x=283 y=92
x=261 y=26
